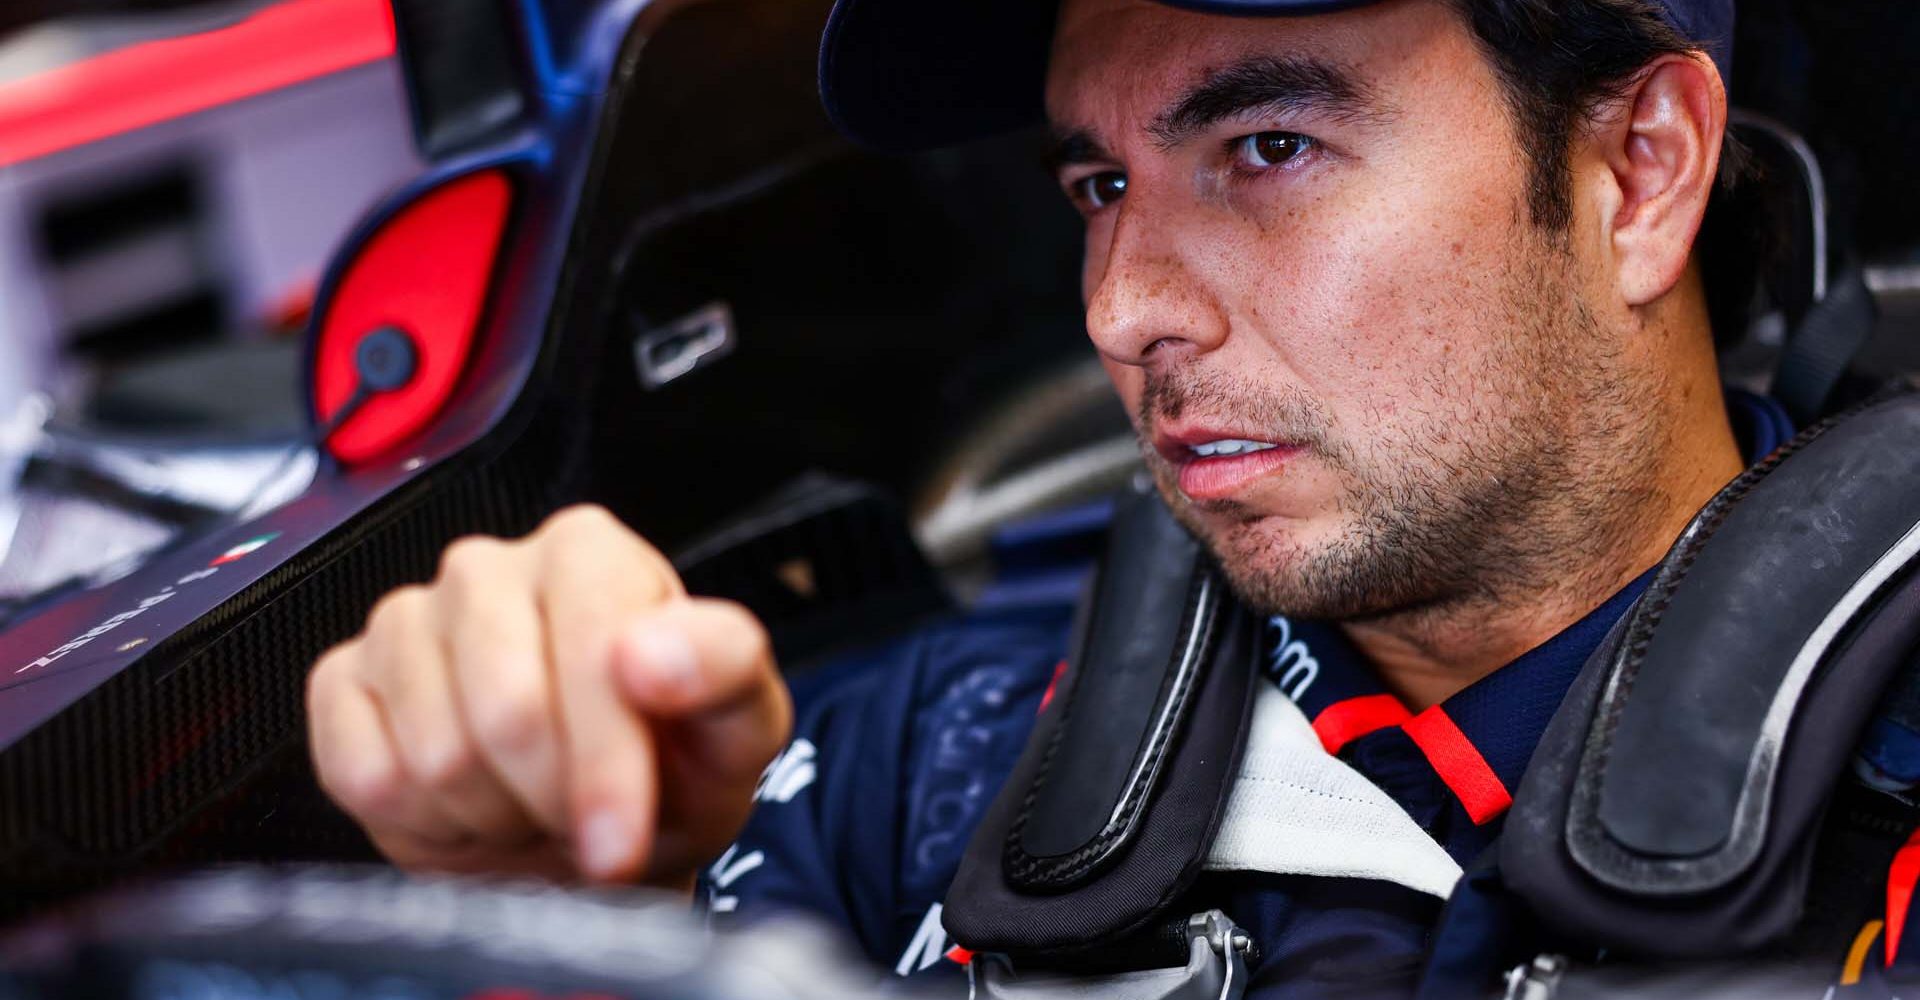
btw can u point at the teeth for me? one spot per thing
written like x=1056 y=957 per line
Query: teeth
x=1231 y=447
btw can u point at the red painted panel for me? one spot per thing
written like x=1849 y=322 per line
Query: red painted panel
x=143 y=85
x=426 y=271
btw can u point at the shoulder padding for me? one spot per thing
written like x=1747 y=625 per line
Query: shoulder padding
x=1107 y=817
x=1673 y=805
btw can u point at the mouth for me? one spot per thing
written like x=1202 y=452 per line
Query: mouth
x=1217 y=465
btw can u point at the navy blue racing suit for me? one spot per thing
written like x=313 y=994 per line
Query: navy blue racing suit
x=899 y=750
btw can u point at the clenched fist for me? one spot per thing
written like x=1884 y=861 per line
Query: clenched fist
x=555 y=705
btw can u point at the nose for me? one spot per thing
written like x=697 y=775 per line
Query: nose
x=1146 y=302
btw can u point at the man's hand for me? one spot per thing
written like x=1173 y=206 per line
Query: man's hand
x=556 y=705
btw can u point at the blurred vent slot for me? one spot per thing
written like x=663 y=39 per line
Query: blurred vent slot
x=129 y=267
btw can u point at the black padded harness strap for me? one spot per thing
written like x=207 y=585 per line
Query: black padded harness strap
x=1824 y=345
x=1674 y=803
x=1108 y=816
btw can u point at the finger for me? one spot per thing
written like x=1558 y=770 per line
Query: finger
x=356 y=761
x=708 y=665
x=702 y=672
x=408 y=671
x=501 y=678
x=595 y=576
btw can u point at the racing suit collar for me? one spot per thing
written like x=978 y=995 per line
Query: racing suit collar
x=1479 y=741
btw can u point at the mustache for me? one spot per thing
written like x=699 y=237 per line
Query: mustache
x=1280 y=412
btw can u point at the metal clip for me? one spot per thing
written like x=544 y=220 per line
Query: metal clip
x=1216 y=969
x=1537 y=980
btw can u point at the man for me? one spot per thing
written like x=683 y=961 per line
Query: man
x=1403 y=300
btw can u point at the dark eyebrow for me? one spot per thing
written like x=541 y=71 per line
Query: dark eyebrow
x=1074 y=147
x=1267 y=84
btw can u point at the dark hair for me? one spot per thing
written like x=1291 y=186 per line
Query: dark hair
x=1559 y=61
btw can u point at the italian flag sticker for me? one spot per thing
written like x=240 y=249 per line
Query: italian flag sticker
x=244 y=549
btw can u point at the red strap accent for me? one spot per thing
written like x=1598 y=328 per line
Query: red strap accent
x=1345 y=721
x=1059 y=671
x=142 y=85
x=1459 y=764
x=1901 y=877
x=959 y=956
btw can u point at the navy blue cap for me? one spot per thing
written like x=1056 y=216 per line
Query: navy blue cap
x=904 y=75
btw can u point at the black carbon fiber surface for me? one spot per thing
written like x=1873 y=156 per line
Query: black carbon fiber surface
x=197 y=753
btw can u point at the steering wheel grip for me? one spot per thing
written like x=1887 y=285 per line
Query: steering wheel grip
x=375 y=933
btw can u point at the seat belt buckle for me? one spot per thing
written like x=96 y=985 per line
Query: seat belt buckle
x=1217 y=955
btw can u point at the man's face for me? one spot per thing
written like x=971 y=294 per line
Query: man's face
x=1360 y=371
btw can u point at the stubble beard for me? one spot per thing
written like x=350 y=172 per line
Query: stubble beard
x=1524 y=493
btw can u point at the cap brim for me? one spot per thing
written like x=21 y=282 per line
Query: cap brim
x=904 y=75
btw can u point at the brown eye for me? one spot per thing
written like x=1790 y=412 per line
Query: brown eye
x=1263 y=150
x=1097 y=191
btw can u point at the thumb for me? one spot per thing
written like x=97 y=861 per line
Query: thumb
x=706 y=668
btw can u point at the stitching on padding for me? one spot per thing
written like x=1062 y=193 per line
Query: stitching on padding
x=1651 y=610
x=1063 y=871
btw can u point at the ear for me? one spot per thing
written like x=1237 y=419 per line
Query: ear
x=1661 y=149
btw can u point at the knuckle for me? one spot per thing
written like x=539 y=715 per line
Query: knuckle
x=592 y=531
x=654 y=585
x=663 y=567
x=472 y=558
x=397 y=610
x=332 y=664
x=512 y=723
x=369 y=785
x=319 y=689
x=582 y=523
x=446 y=765
x=599 y=548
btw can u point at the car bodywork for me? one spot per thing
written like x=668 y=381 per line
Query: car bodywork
x=640 y=270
